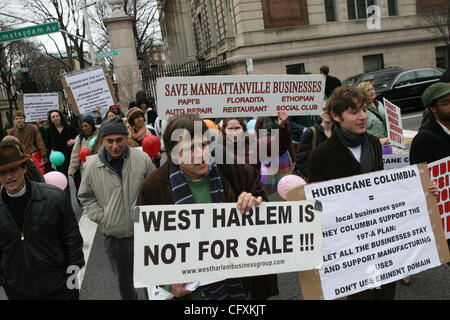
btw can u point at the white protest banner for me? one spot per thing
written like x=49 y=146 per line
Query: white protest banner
x=439 y=171
x=36 y=105
x=90 y=89
x=376 y=230
x=240 y=95
x=205 y=242
x=391 y=161
x=394 y=124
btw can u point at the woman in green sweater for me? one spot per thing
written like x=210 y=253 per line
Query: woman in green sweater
x=376 y=112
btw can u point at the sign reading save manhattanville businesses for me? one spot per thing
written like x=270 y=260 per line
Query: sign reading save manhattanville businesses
x=241 y=96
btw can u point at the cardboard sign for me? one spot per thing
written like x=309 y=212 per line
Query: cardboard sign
x=88 y=88
x=240 y=96
x=37 y=105
x=391 y=161
x=394 y=124
x=206 y=242
x=377 y=228
x=439 y=171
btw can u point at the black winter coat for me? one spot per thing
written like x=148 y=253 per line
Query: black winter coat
x=305 y=148
x=430 y=144
x=35 y=261
x=333 y=160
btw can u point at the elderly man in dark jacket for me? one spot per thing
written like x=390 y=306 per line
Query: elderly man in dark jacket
x=40 y=243
x=192 y=179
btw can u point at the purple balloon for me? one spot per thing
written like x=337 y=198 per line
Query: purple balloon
x=289 y=182
x=387 y=149
x=264 y=172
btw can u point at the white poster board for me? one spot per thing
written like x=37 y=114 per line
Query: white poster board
x=391 y=161
x=376 y=230
x=240 y=95
x=90 y=89
x=37 y=105
x=394 y=124
x=439 y=171
x=206 y=242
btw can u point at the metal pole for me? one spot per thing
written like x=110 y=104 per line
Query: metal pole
x=88 y=33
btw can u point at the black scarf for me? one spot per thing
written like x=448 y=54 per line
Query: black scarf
x=367 y=155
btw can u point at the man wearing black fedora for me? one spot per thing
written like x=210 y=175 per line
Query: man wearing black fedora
x=40 y=241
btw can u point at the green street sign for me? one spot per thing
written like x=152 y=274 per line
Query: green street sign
x=27 y=32
x=106 y=54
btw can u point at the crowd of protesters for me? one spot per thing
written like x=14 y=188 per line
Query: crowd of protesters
x=345 y=140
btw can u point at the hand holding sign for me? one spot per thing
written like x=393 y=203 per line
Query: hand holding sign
x=246 y=201
x=433 y=187
x=179 y=290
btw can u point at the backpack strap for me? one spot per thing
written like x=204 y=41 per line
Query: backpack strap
x=314 y=139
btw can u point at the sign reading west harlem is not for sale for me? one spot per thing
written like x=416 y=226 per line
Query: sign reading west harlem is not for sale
x=240 y=96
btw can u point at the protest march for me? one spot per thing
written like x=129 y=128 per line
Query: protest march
x=182 y=192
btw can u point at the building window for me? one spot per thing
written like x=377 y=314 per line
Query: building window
x=219 y=13
x=373 y=62
x=330 y=10
x=442 y=57
x=201 y=26
x=295 y=68
x=392 y=7
x=357 y=9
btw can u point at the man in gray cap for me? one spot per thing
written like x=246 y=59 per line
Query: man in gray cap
x=108 y=192
x=432 y=142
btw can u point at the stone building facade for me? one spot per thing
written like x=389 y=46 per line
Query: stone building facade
x=298 y=36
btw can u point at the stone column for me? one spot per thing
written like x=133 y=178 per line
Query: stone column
x=126 y=70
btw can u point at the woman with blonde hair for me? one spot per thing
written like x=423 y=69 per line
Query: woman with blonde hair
x=376 y=112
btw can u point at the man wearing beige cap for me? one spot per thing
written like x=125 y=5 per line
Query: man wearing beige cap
x=40 y=241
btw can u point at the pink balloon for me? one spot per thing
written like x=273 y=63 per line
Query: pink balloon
x=56 y=178
x=289 y=182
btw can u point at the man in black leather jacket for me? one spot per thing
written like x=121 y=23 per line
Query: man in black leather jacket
x=41 y=248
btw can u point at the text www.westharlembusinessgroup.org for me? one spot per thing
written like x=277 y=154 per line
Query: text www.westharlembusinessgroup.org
x=233 y=266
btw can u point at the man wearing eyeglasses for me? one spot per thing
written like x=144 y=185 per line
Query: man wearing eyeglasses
x=191 y=175
x=432 y=142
